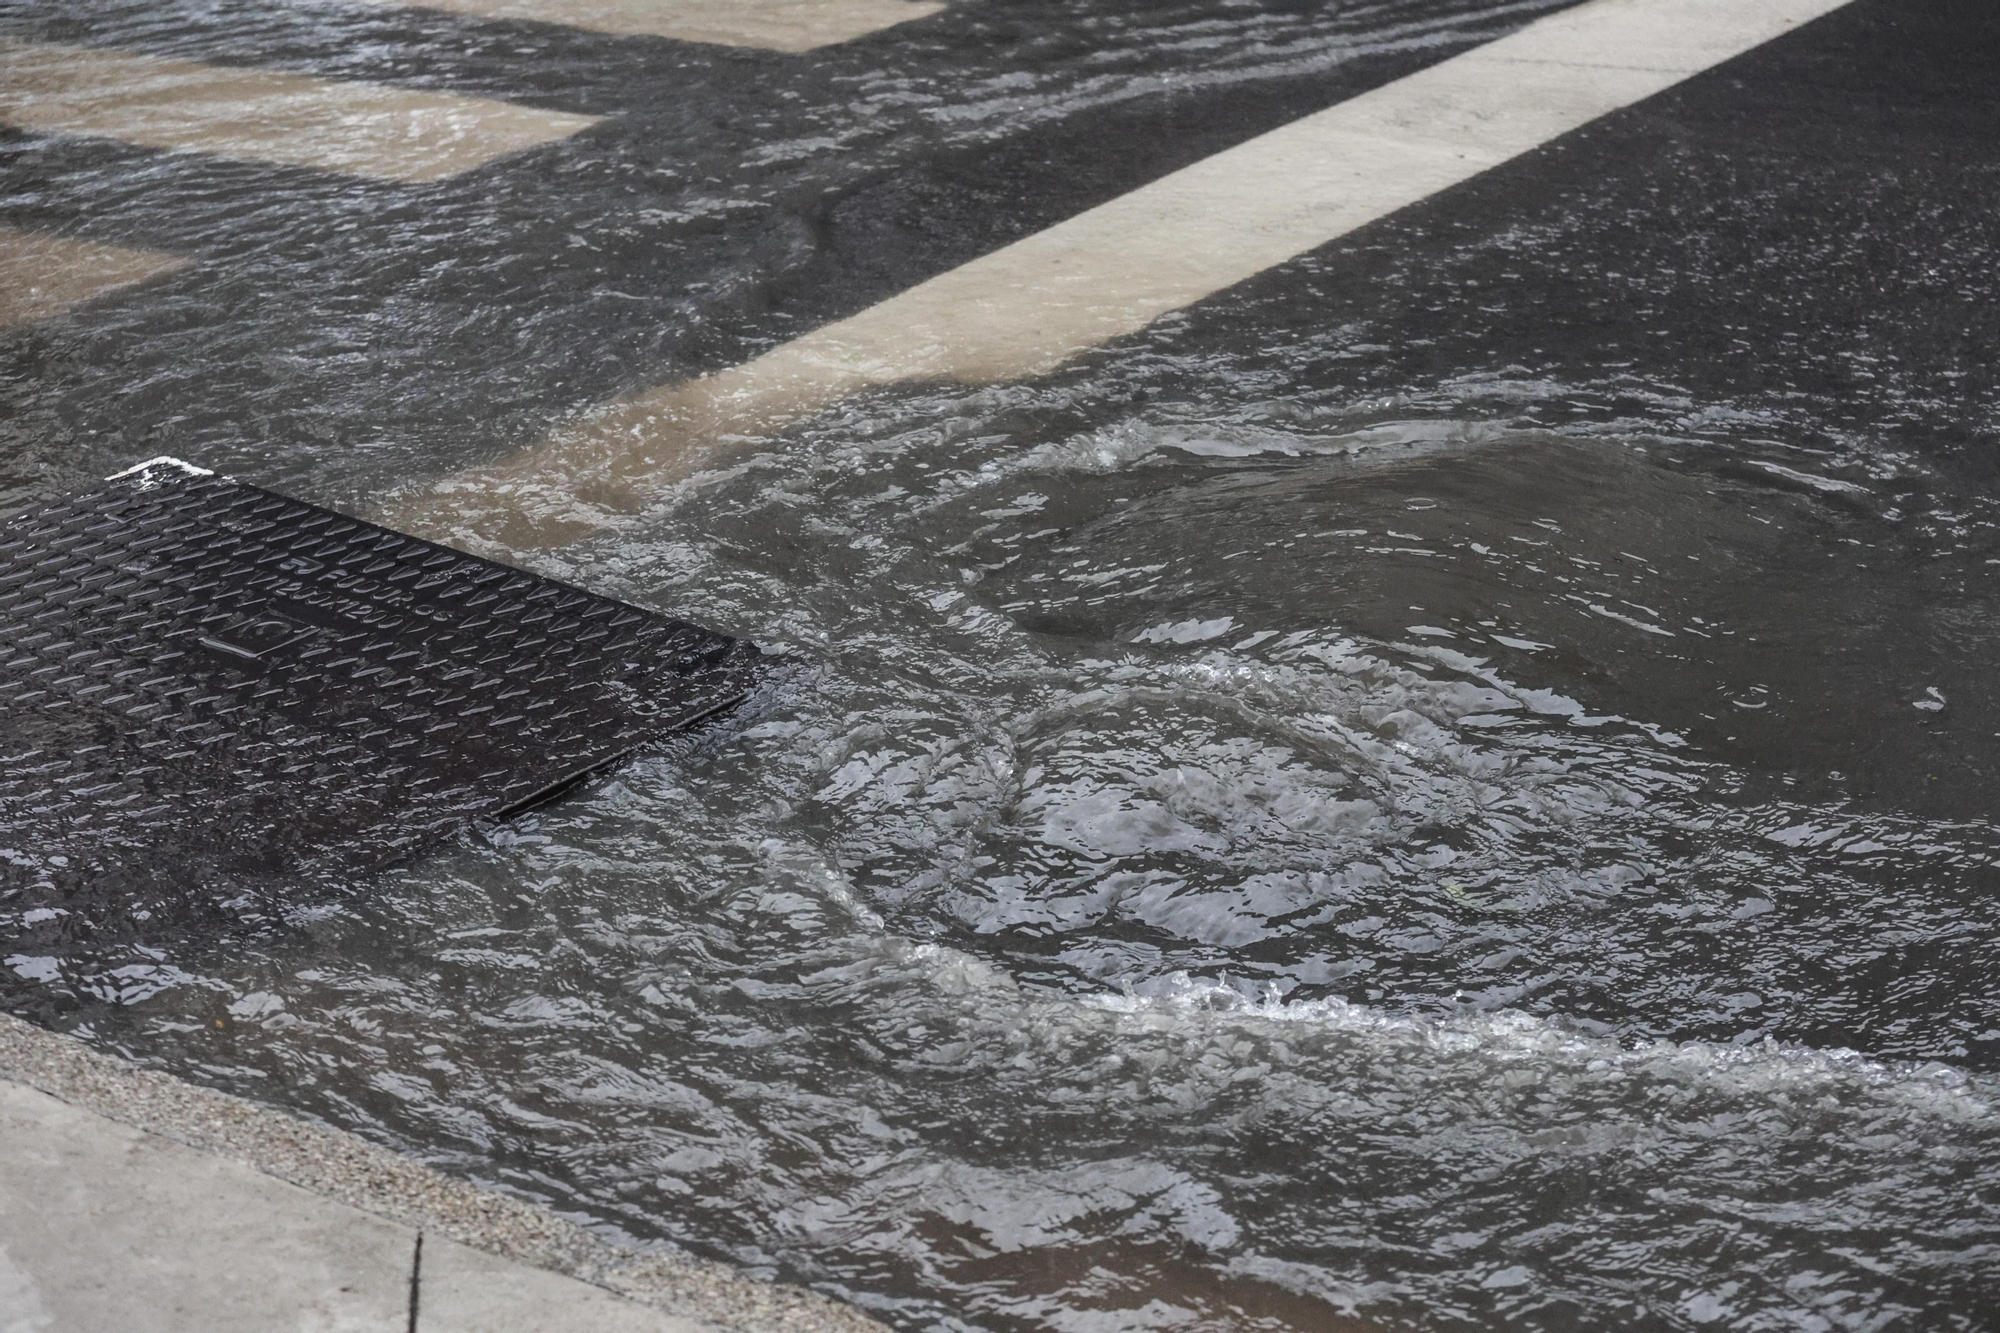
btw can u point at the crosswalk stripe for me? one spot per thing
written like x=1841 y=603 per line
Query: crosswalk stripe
x=263 y=115
x=41 y=275
x=1025 y=309
x=775 y=25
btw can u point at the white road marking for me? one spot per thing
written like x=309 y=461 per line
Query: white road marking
x=42 y=276
x=775 y=25
x=262 y=115
x=1025 y=309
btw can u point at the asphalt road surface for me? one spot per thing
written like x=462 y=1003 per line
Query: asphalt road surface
x=1447 y=784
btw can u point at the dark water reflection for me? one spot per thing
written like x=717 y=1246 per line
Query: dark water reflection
x=731 y=199
x=1232 y=872
x=1316 y=815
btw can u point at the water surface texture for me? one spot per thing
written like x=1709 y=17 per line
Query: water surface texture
x=1447 y=788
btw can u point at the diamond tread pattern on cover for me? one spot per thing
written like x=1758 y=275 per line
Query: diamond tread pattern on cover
x=198 y=676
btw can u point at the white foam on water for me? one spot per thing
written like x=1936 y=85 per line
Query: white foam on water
x=1509 y=1037
x=1828 y=485
x=1186 y=631
x=163 y=460
x=1120 y=446
x=1303 y=1055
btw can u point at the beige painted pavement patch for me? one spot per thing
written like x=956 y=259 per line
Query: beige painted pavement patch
x=775 y=25
x=1025 y=309
x=41 y=276
x=363 y=129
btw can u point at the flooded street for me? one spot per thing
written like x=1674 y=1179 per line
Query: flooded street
x=1448 y=786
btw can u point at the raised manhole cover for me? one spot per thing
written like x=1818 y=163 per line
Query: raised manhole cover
x=201 y=680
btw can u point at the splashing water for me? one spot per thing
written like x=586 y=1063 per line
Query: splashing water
x=1207 y=878
x=1287 y=825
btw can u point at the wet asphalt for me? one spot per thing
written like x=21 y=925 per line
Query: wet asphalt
x=1811 y=218
x=735 y=199
x=1777 y=278
x=1788 y=257
x=1795 y=247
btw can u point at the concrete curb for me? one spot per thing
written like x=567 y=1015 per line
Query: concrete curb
x=345 y=1169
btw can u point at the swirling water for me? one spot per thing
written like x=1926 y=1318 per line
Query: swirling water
x=1216 y=876
x=1252 y=832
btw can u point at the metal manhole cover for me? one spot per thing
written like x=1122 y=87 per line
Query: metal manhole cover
x=200 y=679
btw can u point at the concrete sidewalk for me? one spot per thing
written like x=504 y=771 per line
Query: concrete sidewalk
x=133 y=1203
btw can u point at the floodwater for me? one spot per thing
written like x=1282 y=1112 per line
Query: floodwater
x=1316 y=818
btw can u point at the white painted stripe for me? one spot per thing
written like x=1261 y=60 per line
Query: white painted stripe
x=775 y=25
x=41 y=276
x=262 y=115
x=1025 y=309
